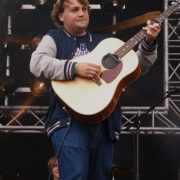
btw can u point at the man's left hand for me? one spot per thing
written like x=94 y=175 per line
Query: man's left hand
x=152 y=29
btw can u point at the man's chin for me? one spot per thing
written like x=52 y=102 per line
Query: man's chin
x=82 y=24
x=82 y=27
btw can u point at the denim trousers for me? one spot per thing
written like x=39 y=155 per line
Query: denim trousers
x=86 y=152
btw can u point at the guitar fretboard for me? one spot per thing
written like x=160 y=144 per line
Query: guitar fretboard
x=137 y=38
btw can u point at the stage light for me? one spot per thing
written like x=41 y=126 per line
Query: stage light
x=112 y=5
x=40 y=87
x=7 y=86
x=35 y=41
x=45 y=5
x=41 y=2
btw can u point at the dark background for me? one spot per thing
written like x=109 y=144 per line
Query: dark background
x=159 y=158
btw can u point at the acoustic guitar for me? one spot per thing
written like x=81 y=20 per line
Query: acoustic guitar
x=93 y=100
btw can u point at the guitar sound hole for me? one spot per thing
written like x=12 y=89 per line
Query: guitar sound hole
x=110 y=61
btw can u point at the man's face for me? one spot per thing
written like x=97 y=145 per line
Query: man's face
x=75 y=17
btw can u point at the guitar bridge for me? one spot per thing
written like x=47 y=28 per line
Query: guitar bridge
x=96 y=80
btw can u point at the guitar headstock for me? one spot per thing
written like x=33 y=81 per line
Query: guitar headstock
x=175 y=6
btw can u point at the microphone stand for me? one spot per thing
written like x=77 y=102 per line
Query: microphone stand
x=137 y=121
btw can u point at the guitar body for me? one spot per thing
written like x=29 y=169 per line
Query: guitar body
x=88 y=101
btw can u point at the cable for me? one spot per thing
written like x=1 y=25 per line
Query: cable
x=60 y=145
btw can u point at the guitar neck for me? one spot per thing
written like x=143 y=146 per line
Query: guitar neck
x=138 y=37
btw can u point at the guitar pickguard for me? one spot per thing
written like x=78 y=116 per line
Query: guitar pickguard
x=110 y=74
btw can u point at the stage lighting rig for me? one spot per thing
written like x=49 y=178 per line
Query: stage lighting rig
x=7 y=86
x=45 y=5
x=112 y=5
x=40 y=87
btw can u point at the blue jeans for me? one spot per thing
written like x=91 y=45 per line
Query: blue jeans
x=86 y=153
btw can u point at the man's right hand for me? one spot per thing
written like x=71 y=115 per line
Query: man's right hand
x=88 y=70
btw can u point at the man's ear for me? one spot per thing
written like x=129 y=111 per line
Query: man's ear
x=60 y=16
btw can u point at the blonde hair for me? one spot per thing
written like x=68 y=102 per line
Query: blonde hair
x=52 y=162
x=59 y=8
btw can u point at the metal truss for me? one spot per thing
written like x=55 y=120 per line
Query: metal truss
x=30 y=119
x=167 y=121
